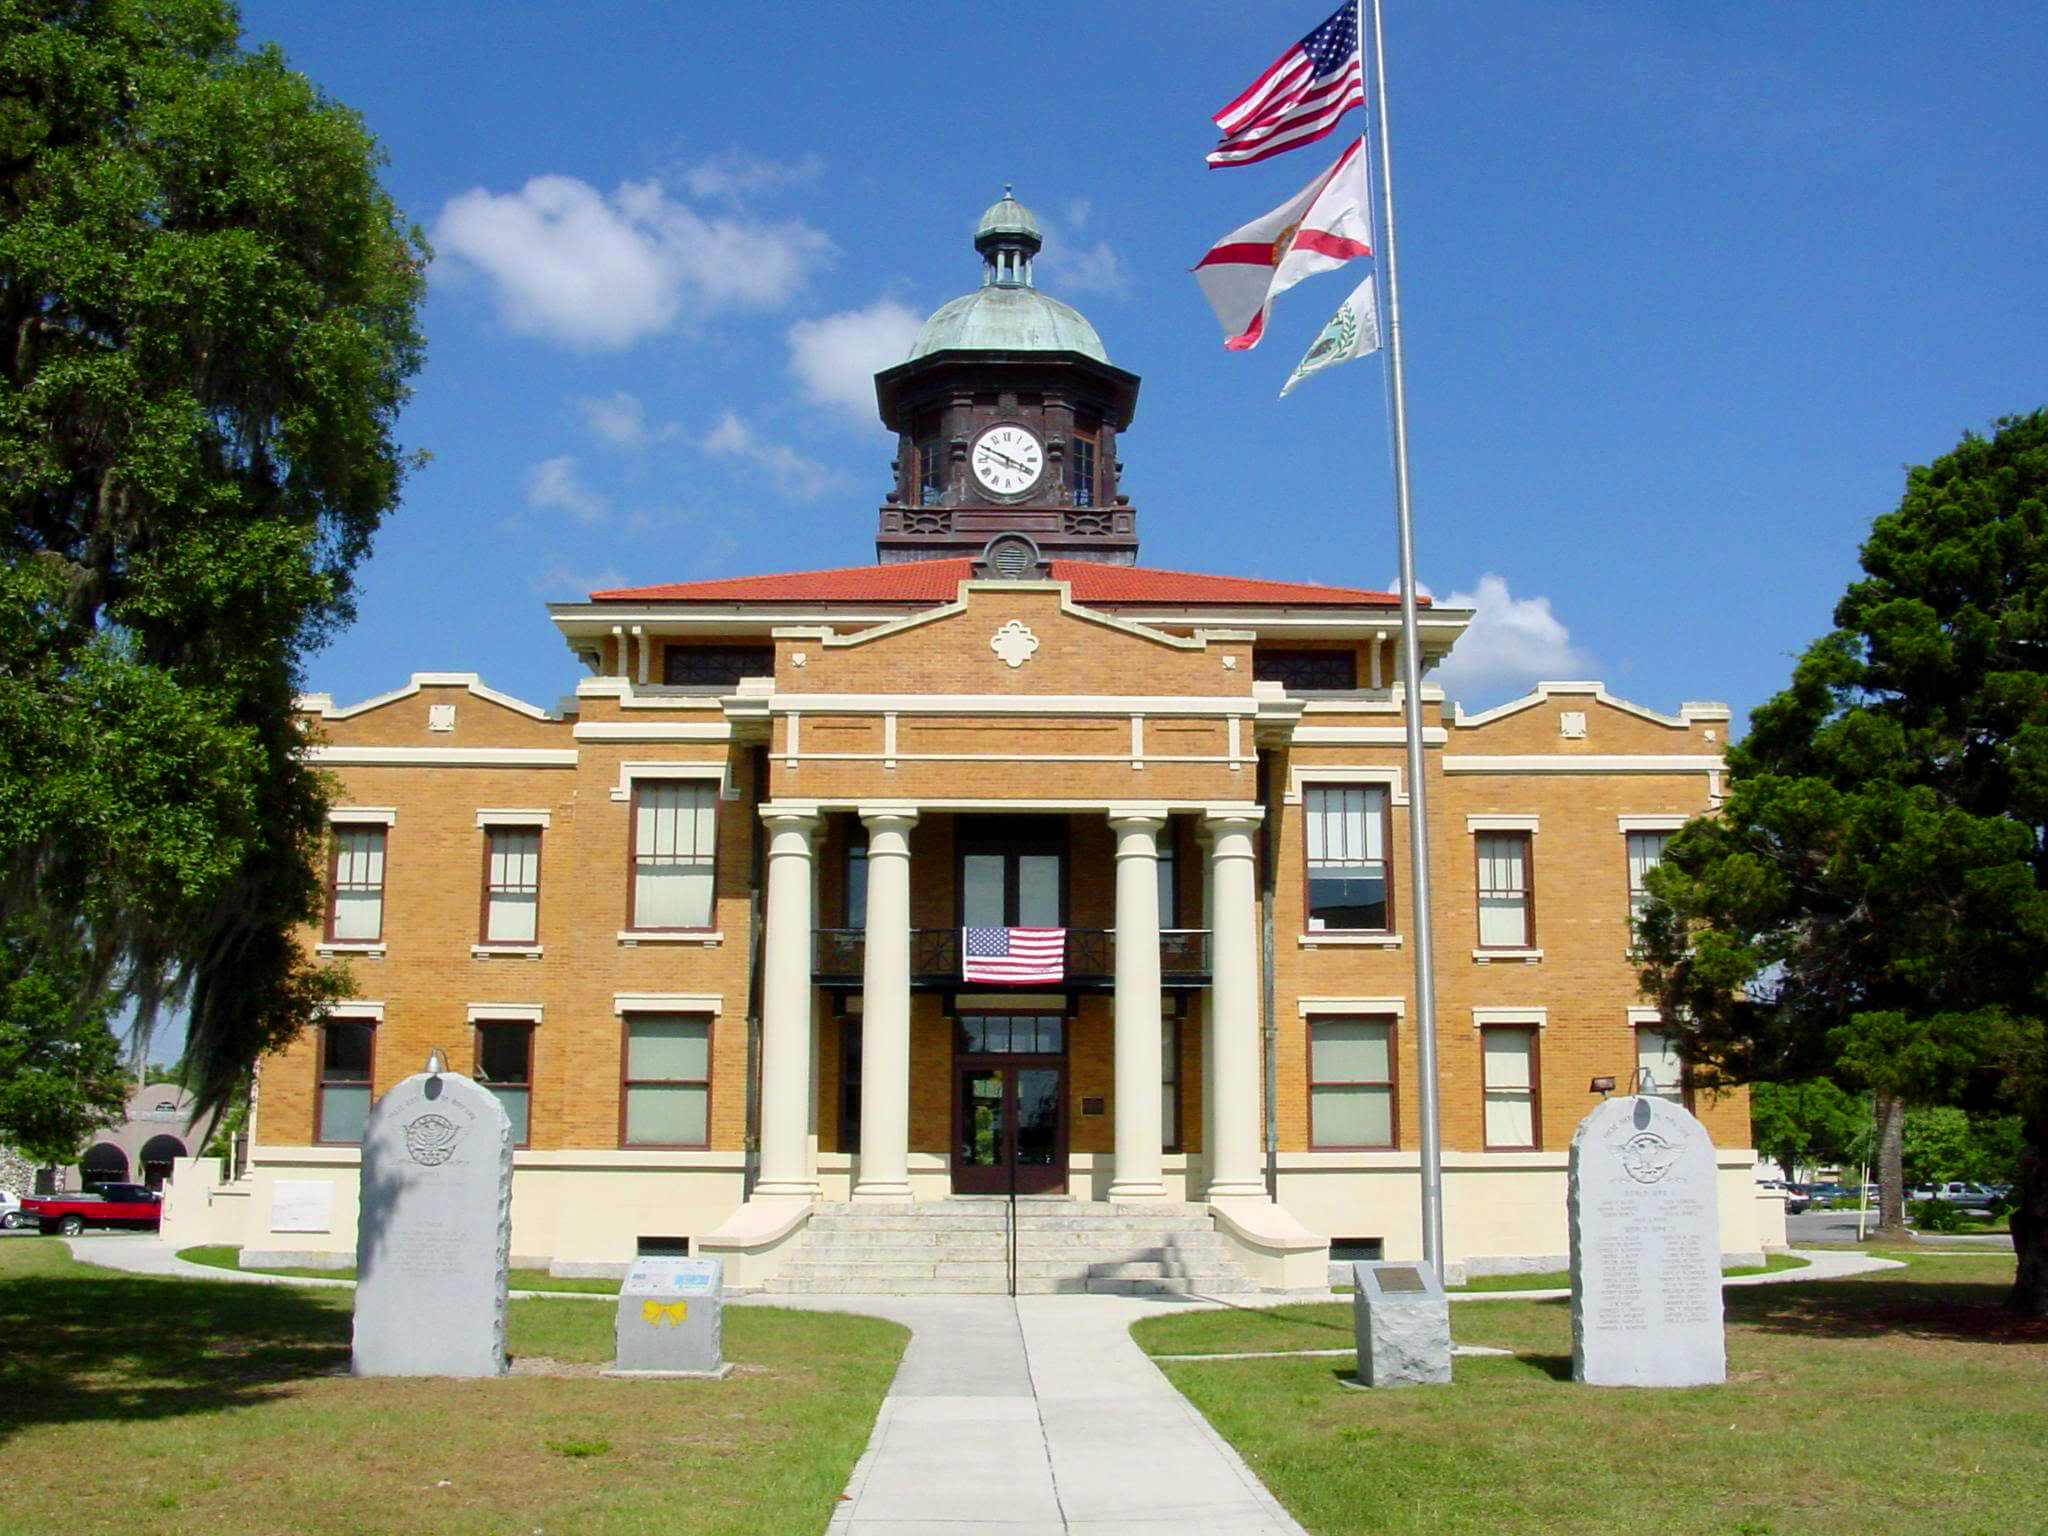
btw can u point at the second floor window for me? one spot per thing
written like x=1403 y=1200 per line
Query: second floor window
x=1347 y=858
x=674 y=849
x=1505 y=920
x=355 y=912
x=511 y=885
x=1645 y=853
x=1660 y=1073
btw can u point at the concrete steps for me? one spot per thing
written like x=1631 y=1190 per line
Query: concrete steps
x=961 y=1247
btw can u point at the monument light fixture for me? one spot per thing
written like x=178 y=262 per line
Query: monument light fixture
x=436 y=1062
x=1602 y=1086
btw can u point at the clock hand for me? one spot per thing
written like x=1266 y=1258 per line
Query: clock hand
x=1006 y=459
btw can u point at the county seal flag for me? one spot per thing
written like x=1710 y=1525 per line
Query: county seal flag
x=1321 y=227
x=1352 y=332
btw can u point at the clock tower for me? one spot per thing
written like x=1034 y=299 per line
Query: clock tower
x=1006 y=415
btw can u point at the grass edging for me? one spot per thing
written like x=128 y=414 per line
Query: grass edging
x=225 y=1256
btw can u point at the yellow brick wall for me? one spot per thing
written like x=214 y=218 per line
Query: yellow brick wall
x=429 y=977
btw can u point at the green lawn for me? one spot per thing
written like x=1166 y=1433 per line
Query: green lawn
x=1561 y=1279
x=1903 y=1402
x=228 y=1257
x=165 y=1407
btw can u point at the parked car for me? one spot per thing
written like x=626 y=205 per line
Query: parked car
x=1796 y=1200
x=10 y=1210
x=111 y=1205
x=1827 y=1193
x=1962 y=1192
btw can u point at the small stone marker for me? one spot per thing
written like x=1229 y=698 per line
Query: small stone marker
x=1646 y=1248
x=1402 y=1322
x=434 y=1237
x=672 y=1320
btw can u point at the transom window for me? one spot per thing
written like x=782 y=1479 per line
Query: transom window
x=1347 y=858
x=355 y=911
x=715 y=666
x=1302 y=670
x=1351 y=1083
x=1505 y=917
x=504 y=1064
x=346 y=1047
x=1012 y=1034
x=1508 y=1062
x=511 y=885
x=674 y=853
x=667 y=1080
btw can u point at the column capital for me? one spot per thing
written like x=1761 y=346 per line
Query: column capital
x=789 y=816
x=1220 y=816
x=1122 y=815
x=890 y=818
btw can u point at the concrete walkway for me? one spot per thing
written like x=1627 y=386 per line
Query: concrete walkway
x=1039 y=1417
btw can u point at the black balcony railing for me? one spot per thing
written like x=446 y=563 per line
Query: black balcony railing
x=839 y=954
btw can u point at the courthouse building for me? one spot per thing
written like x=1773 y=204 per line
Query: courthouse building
x=840 y=904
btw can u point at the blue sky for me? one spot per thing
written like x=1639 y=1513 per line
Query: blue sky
x=1684 y=287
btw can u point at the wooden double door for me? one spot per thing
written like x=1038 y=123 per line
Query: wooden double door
x=1010 y=1104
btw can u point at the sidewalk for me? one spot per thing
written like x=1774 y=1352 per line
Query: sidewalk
x=1038 y=1417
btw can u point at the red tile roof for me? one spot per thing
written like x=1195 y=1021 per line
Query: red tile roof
x=938 y=581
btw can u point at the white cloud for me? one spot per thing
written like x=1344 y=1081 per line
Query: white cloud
x=620 y=420
x=792 y=475
x=552 y=486
x=1076 y=268
x=733 y=173
x=570 y=264
x=836 y=359
x=1512 y=643
x=565 y=582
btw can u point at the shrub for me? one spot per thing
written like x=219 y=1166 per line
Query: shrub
x=1937 y=1216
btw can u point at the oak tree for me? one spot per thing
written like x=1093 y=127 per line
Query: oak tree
x=207 y=323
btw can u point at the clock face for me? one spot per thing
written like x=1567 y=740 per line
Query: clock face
x=1008 y=460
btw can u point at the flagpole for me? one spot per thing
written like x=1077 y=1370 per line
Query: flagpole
x=1411 y=687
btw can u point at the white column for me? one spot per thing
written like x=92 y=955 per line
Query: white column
x=1207 y=842
x=787 y=1050
x=1138 y=1005
x=1234 y=1009
x=885 y=1012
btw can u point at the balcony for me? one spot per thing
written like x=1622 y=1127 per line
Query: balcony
x=838 y=955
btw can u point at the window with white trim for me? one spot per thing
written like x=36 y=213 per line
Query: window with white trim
x=1347 y=858
x=511 y=885
x=1508 y=1068
x=675 y=832
x=504 y=1065
x=1505 y=916
x=355 y=908
x=346 y=1050
x=667 y=1080
x=1660 y=1073
x=1645 y=853
x=1351 y=1083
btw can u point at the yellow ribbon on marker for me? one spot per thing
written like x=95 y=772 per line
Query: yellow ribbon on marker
x=657 y=1313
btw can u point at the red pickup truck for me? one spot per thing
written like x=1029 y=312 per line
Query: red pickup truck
x=111 y=1205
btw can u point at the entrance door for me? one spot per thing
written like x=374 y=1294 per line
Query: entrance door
x=1010 y=1106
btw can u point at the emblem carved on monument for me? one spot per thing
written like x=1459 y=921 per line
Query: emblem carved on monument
x=1014 y=643
x=430 y=1139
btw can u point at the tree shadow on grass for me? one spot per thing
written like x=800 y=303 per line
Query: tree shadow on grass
x=116 y=1348
x=1886 y=1307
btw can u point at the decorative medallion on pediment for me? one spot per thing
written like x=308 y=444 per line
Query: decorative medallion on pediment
x=1014 y=643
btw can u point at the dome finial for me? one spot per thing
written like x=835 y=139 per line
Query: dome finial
x=1007 y=238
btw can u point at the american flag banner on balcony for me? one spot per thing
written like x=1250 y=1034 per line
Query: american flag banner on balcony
x=1014 y=956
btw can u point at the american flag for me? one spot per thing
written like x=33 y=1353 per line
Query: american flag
x=1300 y=96
x=1013 y=956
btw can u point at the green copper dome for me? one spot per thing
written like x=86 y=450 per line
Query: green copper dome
x=1007 y=314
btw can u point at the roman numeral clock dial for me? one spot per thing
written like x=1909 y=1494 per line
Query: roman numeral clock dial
x=1008 y=460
